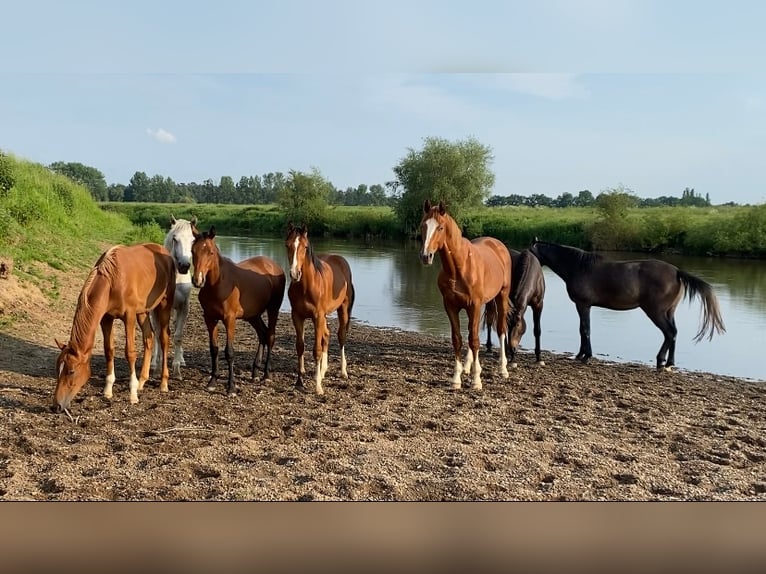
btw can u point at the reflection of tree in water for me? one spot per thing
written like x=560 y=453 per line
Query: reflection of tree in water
x=413 y=286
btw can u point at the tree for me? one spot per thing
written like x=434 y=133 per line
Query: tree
x=584 y=199
x=138 y=188
x=304 y=197
x=613 y=229
x=456 y=173
x=89 y=177
x=116 y=192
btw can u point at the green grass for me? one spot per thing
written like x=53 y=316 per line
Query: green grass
x=47 y=219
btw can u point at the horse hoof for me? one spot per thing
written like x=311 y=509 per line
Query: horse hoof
x=540 y=363
x=476 y=387
x=514 y=365
x=455 y=386
x=232 y=395
x=133 y=400
x=210 y=387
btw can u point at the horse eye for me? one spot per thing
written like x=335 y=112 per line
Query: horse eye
x=70 y=372
x=440 y=228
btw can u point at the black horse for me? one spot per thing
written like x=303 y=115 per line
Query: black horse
x=653 y=285
x=527 y=290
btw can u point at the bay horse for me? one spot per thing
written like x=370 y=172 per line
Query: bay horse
x=231 y=291
x=653 y=285
x=319 y=285
x=527 y=290
x=127 y=283
x=473 y=273
x=178 y=242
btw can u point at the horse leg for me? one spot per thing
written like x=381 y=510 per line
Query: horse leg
x=230 y=324
x=212 y=330
x=502 y=331
x=107 y=322
x=472 y=356
x=585 y=352
x=344 y=319
x=489 y=337
x=182 y=314
x=147 y=336
x=271 y=336
x=161 y=317
x=537 y=312
x=320 y=330
x=300 y=327
x=672 y=347
x=131 y=354
x=457 y=344
x=262 y=332
x=669 y=331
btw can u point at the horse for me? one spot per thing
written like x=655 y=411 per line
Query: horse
x=126 y=283
x=319 y=285
x=653 y=285
x=178 y=242
x=231 y=291
x=527 y=290
x=473 y=273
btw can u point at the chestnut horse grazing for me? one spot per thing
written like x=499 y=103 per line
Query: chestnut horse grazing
x=231 y=291
x=320 y=284
x=127 y=283
x=178 y=242
x=653 y=285
x=473 y=273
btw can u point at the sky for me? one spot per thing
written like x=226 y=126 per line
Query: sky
x=652 y=96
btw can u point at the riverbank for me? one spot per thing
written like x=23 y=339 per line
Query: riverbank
x=392 y=431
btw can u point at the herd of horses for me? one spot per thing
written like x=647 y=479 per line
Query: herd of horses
x=148 y=284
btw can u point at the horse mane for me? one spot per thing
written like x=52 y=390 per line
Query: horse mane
x=315 y=261
x=524 y=266
x=105 y=266
x=179 y=226
x=585 y=258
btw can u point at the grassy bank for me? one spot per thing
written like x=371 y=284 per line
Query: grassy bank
x=46 y=221
x=718 y=231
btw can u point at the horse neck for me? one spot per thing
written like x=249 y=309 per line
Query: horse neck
x=215 y=274
x=454 y=250
x=563 y=260
x=91 y=307
x=309 y=270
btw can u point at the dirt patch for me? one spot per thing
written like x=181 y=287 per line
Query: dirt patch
x=392 y=431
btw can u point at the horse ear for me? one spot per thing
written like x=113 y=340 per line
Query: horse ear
x=304 y=229
x=290 y=227
x=442 y=208
x=426 y=206
x=535 y=240
x=194 y=220
x=172 y=220
x=61 y=346
x=211 y=233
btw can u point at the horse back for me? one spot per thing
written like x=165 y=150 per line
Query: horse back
x=143 y=276
x=261 y=283
x=340 y=283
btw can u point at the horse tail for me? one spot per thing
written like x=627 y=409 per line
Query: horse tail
x=489 y=315
x=711 y=321
x=351 y=296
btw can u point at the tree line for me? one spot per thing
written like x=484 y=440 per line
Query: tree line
x=457 y=173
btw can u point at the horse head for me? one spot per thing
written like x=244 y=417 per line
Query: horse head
x=72 y=372
x=432 y=230
x=179 y=242
x=204 y=256
x=517 y=326
x=297 y=245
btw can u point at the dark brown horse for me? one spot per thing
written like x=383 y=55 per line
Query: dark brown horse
x=320 y=284
x=231 y=291
x=527 y=290
x=653 y=285
x=126 y=283
x=473 y=273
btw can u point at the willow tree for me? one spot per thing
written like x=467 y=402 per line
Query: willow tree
x=456 y=173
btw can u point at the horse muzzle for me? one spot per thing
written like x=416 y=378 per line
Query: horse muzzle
x=426 y=258
x=296 y=275
x=182 y=267
x=198 y=280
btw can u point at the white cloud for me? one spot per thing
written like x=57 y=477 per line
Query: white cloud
x=161 y=135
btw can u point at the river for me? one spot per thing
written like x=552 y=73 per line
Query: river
x=393 y=289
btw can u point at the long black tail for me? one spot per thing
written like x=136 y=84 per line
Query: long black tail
x=711 y=322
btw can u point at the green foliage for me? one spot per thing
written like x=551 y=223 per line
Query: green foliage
x=456 y=173
x=304 y=198
x=613 y=230
x=7 y=177
x=90 y=177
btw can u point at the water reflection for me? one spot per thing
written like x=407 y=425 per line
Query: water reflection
x=394 y=289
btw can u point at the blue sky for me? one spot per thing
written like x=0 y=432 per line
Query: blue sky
x=569 y=95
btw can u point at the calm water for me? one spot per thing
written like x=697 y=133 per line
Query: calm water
x=394 y=289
